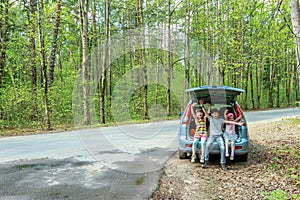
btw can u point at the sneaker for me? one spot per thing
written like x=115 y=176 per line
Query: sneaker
x=232 y=157
x=224 y=168
x=193 y=158
x=202 y=159
x=227 y=154
x=204 y=164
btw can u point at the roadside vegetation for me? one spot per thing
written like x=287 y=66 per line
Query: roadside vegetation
x=271 y=173
x=46 y=47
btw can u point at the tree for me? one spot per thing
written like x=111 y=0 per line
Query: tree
x=54 y=42
x=3 y=36
x=43 y=63
x=32 y=35
x=295 y=17
x=84 y=7
x=104 y=62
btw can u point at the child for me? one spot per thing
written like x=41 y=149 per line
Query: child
x=200 y=134
x=215 y=130
x=230 y=136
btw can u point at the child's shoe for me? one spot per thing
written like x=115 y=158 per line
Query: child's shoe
x=193 y=158
x=202 y=159
x=204 y=164
x=231 y=157
x=227 y=154
x=223 y=165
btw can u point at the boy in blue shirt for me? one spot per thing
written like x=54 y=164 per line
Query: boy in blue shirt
x=216 y=134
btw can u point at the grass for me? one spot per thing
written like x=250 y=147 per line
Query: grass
x=25 y=166
x=139 y=180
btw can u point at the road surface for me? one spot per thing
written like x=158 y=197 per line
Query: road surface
x=122 y=162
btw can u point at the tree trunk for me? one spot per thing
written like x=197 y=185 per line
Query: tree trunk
x=43 y=63
x=257 y=85
x=104 y=62
x=3 y=39
x=169 y=66
x=187 y=64
x=295 y=17
x=245 y=104
x=32 y=35
x=251 y=88
x=271 y=85
x=54 y=42
x=144 y=67
x=84 y=4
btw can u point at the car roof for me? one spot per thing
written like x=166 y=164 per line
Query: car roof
x=214 y=94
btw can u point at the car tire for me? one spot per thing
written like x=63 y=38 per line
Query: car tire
x=243 y=158
x=181 y=154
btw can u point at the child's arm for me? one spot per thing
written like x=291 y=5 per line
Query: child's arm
x=192 y=110
x=203 y=109
x=233 y=122
x=225 y=114
x=238 y=118
x=193 y=113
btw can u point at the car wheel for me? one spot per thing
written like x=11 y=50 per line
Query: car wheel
x=243 y=158
x=182 y=155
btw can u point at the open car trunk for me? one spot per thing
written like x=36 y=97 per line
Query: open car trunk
x=214 y=94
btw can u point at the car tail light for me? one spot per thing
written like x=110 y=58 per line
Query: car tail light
x=186 y=115
x=188 y=145
x=238 y=147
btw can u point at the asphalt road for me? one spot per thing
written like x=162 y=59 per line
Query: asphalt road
x=123 y=162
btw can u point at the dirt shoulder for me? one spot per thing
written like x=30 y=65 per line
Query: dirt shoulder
x=272 y=170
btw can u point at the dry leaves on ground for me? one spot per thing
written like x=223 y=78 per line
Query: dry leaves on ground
x=272 y=170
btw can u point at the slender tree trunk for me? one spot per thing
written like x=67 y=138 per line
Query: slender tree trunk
x=251 y=87
x=271 y=86
x=169 y=65
x=246 y=86
x=187 y=64
x=144 y=67
x=84 y=5
x=258 y=89
x=288 y=76
x=32 y=35
x=43 y=63
x=94 y=44
x=295 y=17
x=54 y=42
x=278 y=92
x=3 y=38
x=104 y=62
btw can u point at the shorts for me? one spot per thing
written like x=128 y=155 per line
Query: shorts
x=230 y=137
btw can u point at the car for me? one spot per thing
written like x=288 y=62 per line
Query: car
x=222 y=98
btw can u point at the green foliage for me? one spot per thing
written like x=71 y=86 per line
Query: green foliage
x=237 y=39
x=275 y=195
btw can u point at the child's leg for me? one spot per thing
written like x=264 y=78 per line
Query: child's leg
x=220 y=142
x=226 y=147
x=232 y=149
x=195 y=144
x=203 y=146
x=194 y=149
x=208 y=147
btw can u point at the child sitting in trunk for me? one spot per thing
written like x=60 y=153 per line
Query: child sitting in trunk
x=200 y=134
x=215 y=130
x=230 y=136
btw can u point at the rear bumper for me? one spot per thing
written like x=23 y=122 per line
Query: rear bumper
x=242 y=146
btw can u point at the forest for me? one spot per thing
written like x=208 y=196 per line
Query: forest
x=69 y=63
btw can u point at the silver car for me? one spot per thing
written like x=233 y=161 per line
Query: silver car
x=222 y=98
